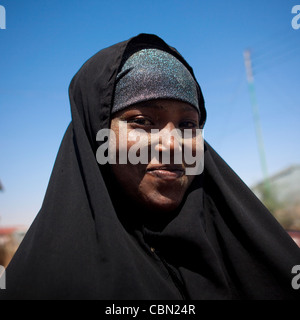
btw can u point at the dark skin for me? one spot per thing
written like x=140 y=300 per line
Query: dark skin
x=155 y=186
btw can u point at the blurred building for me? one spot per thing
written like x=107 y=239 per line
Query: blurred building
x=295 y=236
x=284 y=202
x=10 y=239
x=285 y=186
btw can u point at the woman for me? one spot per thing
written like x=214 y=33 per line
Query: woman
x=149 y=230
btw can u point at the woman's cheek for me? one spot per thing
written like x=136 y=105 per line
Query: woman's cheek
x=193 y=154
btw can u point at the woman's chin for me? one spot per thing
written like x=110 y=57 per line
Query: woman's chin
x=162 y=204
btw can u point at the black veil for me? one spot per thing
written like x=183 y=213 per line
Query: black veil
x=221 y=244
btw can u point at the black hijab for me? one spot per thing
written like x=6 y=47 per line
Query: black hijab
x=221 y=243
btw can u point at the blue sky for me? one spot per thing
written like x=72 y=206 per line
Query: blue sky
x=46 y=42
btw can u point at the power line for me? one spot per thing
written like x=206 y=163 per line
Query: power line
x=281 y=57
x=276 y=47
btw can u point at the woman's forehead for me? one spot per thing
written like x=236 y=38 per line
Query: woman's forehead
x=163 y=105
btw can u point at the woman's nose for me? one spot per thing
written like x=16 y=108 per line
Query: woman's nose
x=169 y=144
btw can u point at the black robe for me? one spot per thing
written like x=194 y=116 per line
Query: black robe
x=222 y=243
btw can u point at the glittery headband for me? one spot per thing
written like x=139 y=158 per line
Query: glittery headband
x=153 y=74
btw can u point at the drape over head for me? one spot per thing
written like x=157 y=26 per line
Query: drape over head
x=84 y=244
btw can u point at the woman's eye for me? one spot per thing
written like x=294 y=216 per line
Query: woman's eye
x=141 y=121
x=188 y=125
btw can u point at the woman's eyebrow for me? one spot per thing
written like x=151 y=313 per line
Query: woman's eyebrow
x=157 y=104
x=151 y=104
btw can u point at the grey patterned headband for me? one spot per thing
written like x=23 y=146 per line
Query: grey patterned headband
x=154 y=74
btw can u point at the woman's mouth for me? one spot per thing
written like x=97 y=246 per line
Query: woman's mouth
x=167 y=172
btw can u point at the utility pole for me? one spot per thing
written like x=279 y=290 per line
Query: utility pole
x=255 y=111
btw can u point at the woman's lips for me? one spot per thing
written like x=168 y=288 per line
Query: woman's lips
x=166 y=173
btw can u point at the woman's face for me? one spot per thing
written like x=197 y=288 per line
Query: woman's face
x=158 y=184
